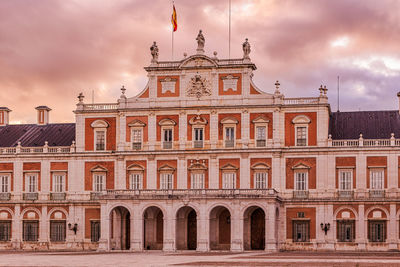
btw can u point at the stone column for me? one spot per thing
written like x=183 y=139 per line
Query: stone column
x=152 y=130
x=182 y=129
x=245 y=171
x=278 y=130
x=236 y=228
x=392 y=172
x=137 y=229
x=245 y=128
x=214 y=129
x=169 y=228
x=45 y=180
x=361 y=174
x=360 y=229
x=277 y=182
x=182 y=173
x=120 y=174
x=203 y=227
x=121 y=134
x=270 y=228
x=80 y=133
x=16 y=228
x=213 y=181
x=151 y=173
x=104 y=243
x=392 y=233
x=44 y=226
x=18 y=179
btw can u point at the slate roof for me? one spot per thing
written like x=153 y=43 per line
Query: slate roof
x=31 y=135
x=372 y=124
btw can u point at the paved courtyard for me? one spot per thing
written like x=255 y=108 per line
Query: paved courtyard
x=115 y=259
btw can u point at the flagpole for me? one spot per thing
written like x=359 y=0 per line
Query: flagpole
x=229 y=29
x=172 y=45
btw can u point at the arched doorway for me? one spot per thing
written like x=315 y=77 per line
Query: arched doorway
x=153 y=228
x=254 y=228
x=186 y=229
x=220 y=228
x=120 y=224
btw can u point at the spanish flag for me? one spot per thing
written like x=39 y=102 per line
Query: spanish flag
x=173 y=19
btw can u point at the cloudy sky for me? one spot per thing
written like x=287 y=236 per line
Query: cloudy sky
x=50 y=50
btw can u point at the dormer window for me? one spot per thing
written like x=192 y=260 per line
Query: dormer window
x=229 y=125
x=229 y=176
x=198 y=123
x=261 y=126
x=137 y=134
x=99 y=175
x=135 y=177
x=100 y=133
x=166 y=177
x=167 y=130
x=301 y=123
x=260 y=175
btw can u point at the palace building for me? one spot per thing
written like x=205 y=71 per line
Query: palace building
x=202 y=159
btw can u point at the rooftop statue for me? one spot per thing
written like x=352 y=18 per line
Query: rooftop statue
x=246 y=49
x=154 y=52
x=200 y=42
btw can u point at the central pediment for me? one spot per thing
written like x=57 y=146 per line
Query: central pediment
x=198 y=61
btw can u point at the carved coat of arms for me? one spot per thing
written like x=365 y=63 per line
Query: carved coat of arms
x=198 y=87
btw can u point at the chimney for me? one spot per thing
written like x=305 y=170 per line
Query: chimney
x=4 y=116
x=43 y=115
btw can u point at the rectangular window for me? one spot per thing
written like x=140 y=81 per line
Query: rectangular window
x=5 y=230
x=229 y=180
x=260 y=180
x=301 y=231
x=136 y=139
x=229 y=136
x=261 y=136
x=31 y=181
x=135 y=181
x=166 y=180
x=301 y=136
x=301 y=181
x=198 y=137
x=4 y=183
x=377 y=231
x=346 y=231
x=197 y=181
x=377 y=179
x=57 y=231
x=100 y=140
x=58 y=182
x=167 y=141
x=99 y=180
x=345 y=180
x=30 y=231
x=94 y=231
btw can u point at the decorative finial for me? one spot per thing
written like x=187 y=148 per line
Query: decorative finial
x=325 y=90
x=277 y=84
x=215 y=54
x=321 y=89
x=123 y=89
x=246 y=49
x=81 y=97
x=185 y=55
x=200 y=42
x=154 y=52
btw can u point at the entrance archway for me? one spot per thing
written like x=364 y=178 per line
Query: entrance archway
x=186 y=229
x=120 y=225
x=153 y=228
x=254 y=228
x=220 y=228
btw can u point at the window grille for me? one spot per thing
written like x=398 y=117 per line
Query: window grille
x=5 y=230
x=197 y=181
x=100 y=140
x=30 y=231
x=229 y=180
x=136 y=138
x=301 y=231
x=260 y=136
x=166 y=180
x=94 y=231
x=301 y=135
x=260 y=180
x=4 y=180
x=57 y=231
x=346 y=231
x=377 y=231
x=98 y=182
x=135 y=181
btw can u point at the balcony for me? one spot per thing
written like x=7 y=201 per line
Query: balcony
x=57 y=196
x=137 y=146
x=30 y=196
x=229 y=143
x=300 y=194
x=198 y=144
x=187 y=193
x=261 y=143
x=345 y=194
x=5 y=196
x=377 y=193
x=95 y=195
x=167 y=144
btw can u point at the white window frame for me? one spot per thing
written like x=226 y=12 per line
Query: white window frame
x=229 y=179
x=96 y=183
x=260 y=179
x=29 y=176
x=297 y=128
x=135 y=180
x=377 y=173
x=345 y=174
x=197 y=180
x=226 y=137
x=5 y=187
x=63 y=176
x=301 y=121
x=133 y=141
x=167 y=128
x=194 y=128
x=99 y=126
x=96 y=135
x=297 y=182
x=260 y=122
x=166 y=180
